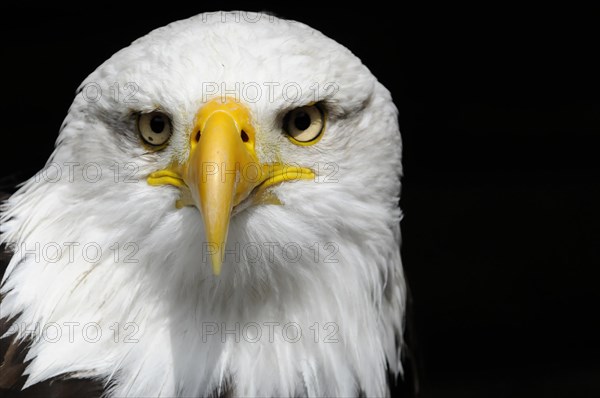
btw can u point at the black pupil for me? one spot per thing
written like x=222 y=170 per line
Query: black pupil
x=302 y=120
x=157 y=124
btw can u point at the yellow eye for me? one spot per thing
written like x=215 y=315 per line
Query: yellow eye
x=304 y=125
x=155 y=128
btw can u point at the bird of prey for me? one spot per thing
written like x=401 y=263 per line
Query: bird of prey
x=220 y=217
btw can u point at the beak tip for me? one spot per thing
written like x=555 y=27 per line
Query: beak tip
x=216 y=265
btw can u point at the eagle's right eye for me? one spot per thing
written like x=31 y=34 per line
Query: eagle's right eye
x=154 y=128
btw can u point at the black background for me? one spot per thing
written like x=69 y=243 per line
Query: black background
x=500 y=116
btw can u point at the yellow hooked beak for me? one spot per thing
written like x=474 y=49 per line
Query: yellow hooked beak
x=222 y=170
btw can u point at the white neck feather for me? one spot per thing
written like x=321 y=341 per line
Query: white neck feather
x=170 y=328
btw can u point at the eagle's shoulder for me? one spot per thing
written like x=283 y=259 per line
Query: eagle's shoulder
x=12 y=360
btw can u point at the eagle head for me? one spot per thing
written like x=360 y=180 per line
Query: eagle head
x=220 y=179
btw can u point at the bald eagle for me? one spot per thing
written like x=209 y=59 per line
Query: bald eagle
x=220 y=217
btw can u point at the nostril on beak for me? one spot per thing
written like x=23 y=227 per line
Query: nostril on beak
x=245 y=137
x=197 y=138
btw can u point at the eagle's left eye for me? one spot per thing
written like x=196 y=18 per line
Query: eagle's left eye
x=155 y=128
x=305 y=125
